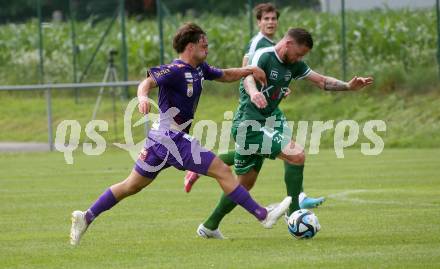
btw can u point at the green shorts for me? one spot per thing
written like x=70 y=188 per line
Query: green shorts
x=256 y=140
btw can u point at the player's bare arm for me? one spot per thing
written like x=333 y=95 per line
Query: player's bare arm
x=256 y=96
x=245 y=61
x=332 y=84
x=142 y=93
x=234 y=74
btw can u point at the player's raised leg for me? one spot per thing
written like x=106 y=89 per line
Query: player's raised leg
x=191 y=177
x=109 y=198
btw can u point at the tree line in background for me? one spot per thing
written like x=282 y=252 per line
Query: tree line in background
x=22 y=10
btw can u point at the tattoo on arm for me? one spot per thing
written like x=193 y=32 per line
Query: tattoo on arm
x=332 y=84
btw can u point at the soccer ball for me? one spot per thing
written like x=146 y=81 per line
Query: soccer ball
x=303 y=224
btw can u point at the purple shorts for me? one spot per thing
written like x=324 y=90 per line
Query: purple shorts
x=171 y=148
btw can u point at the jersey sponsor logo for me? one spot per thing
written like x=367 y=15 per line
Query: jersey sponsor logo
x=162 y=72
x=237 y=161
x=266 y=90
x=143 y=154
x=273 y=74
x=283 y=91
x=188 y=75
x=277 y=93
x=287 y=76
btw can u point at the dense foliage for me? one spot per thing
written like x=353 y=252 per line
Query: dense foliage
x=397 y=47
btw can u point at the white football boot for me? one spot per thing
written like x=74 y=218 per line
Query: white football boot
x=274 y=212
x=79 y=227
x=204 y=232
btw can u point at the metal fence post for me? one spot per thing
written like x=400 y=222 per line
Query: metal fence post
x=41 y=74
x=124 y=44
x=40 y=43
x=437 y=7
x=72 y=12
x=344 y=44
x=49 y=118
x=160 y=25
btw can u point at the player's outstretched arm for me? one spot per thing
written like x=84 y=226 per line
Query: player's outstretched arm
x=332 y=84
x=256 y=96
x=234 y=74
x=142 y=93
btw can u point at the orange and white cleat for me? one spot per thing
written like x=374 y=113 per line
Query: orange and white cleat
x=190 y=179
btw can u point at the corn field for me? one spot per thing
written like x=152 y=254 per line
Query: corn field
x=392 y=45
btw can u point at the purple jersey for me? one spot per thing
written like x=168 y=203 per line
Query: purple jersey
x=180 y=86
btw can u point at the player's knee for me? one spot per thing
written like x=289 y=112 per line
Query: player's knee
x=302 y=157
x=297 y=159
x=222 y=171
x=225 y=170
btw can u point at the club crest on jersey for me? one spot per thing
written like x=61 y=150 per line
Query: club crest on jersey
x=189 y=90
x=273 y=74
x=287 y=76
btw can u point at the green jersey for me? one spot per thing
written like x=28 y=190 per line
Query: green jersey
x=279 y=75
x=257 y=42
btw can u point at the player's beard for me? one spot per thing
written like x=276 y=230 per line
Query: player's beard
x=201 y=58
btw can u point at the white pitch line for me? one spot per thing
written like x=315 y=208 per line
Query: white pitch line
x=344 y=196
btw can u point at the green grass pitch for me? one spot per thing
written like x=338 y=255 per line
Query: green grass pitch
x=381 y=212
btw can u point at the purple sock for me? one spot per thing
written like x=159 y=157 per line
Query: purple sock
x=242 y=197
x=106 y=201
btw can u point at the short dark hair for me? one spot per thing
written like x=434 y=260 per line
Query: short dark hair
x=301 y=36
x=264 y=8
x=188 y=33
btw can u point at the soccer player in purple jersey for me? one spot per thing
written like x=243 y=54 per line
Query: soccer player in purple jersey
x=168 y=144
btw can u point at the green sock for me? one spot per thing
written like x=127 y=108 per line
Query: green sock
x=293 y=177
x=224 y=206
x=228 y=157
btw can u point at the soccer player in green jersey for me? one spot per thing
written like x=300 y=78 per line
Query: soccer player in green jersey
x=267 y=19
x=259 y=127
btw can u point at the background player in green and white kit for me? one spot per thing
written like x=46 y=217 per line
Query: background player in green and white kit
x=267 y=19
x=259 y=127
